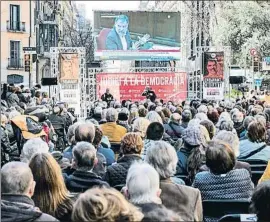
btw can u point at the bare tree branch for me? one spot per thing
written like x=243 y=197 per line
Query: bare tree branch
x=74 y=37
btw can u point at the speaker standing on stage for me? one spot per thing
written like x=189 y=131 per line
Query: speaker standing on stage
x=149 y=93
x=107 y=96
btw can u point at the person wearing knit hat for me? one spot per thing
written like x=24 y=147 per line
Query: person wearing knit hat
x=194 y=137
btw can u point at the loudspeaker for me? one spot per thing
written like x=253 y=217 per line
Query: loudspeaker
x=49 y=81
x=237 y=79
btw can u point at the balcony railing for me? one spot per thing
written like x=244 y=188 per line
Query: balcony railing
x=15 y=63
x=15 y=26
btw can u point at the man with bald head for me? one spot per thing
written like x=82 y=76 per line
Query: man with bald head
x=17 y=188
x=173 y=128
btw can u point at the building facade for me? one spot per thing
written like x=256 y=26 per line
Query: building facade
x=53 y=20
x=17 y=31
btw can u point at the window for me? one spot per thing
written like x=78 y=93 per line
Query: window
x=14 y=17
x=15 y=79
x=14 y=53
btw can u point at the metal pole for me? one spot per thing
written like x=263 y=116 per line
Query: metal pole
x=253 y=84
x=29 y=40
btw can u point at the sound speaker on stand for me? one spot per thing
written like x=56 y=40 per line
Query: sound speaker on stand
x=237 y=79
x=49 y=81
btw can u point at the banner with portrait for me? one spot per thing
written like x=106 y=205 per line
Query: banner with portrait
x=213 y=65
x=213 y=75
x=69 y=68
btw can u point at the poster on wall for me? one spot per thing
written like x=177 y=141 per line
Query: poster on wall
x=213 y=75
x=69 y=68
x=125 y=86
x=213 y=65
x=213 y=93
x=70 y=94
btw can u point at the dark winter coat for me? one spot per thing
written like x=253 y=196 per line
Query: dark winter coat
x=183 y=155
x=59 y=124
x=15 y=207
x=80 y=181
x=5 y=146
x=239 y=127
x=174 y=130
x=117 y=173
x=184 y=124
x=12 y=99
x=22 y=98
x=64 y=210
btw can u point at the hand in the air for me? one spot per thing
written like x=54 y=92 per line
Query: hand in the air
x=135 y=45
x=144 y=39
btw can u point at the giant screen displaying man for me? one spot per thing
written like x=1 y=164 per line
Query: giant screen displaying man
x=137 y=35
x=119 y=37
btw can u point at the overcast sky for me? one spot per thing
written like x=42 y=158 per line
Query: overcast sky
x=108 y=5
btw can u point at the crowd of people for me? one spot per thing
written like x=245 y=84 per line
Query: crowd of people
x=130 y=161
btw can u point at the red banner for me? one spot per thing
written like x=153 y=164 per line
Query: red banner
x=124 y=86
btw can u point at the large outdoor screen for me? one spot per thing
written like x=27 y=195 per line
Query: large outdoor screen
x=137 y=35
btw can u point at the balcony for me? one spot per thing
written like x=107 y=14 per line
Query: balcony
x=15 y=26
x=15 y=63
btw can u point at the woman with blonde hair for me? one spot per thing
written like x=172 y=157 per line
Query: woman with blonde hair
x=133 y=115
x=51 y=194
x=140 y=126
x=104 y=204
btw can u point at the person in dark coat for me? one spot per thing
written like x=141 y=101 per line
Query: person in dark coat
x=4 y=91
x=12 y=98
x=194 y=137
x=260 y=201
x=59 y=125
x=5 y=144
x=173 y=128
x=83 y=178
x=123 y=117
x=107 y=96
x=71 y=140
x=21 y=96
x=16 y=202
x=131 y=146
x=149 y=94
x=186 y=117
